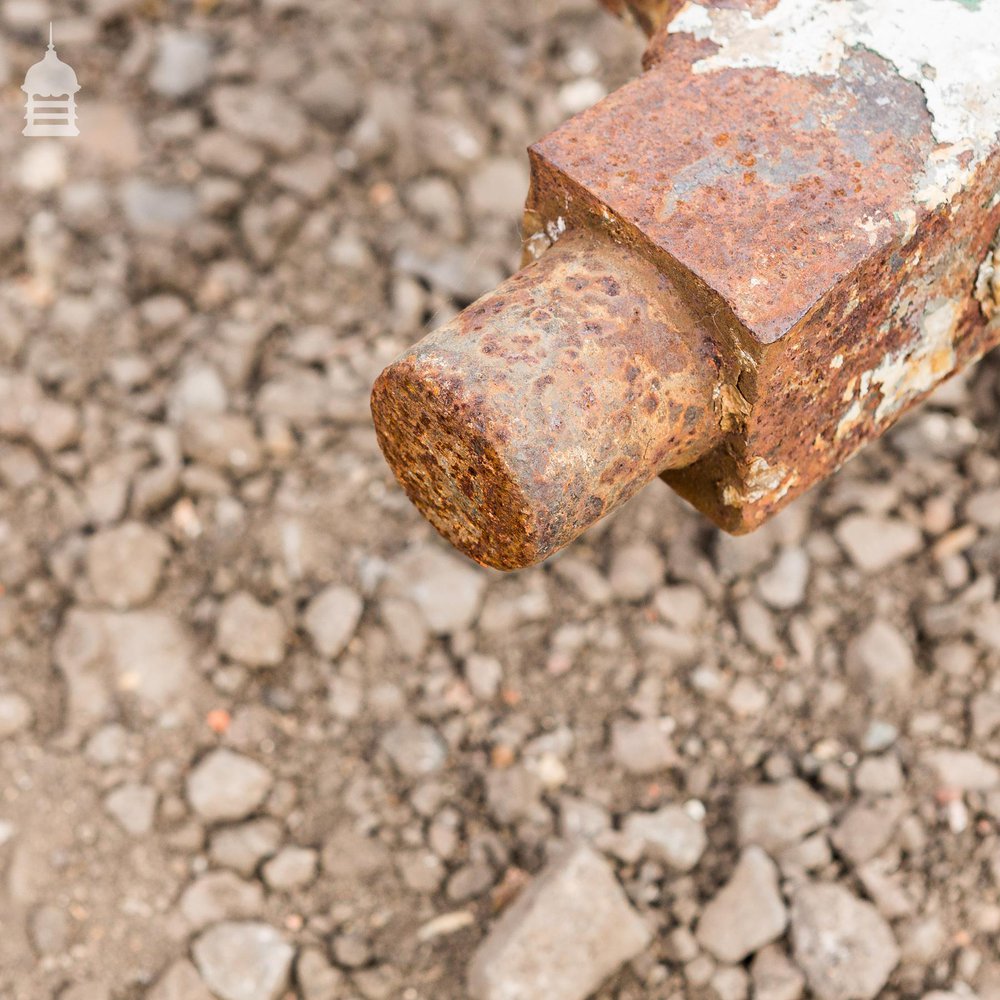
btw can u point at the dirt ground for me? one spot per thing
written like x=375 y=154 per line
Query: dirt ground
x=262 y=734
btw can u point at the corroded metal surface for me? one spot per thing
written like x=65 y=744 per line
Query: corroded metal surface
x=819 y=185
x=823 y=181
x=549 y=402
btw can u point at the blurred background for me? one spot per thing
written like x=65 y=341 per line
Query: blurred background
x=263 y=735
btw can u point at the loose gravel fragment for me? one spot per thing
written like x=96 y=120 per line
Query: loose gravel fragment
x=669 y=835
x=414 y=748
x=562 y=937
x=227 y=786
x=124 y=564
x=291 y=868
x=747 y=912
x=642 y=746
x=774 y=976
x=180 y=982
x=776 y=816
x=220 y=895
x=964 y=770
x=331 y=618
x=447 y=590
x=15 y=714
x=244 y=961
x=250 y=632
x=841 y=943
x=883 y=659
x=876 y=543
x=133 y=807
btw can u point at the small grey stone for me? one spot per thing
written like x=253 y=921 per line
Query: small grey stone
x=776 y=816
x=48 y=929
x=642 y=746
x=730 y=982
x=220 y=895
x=291 y=868
x=15 y=714
x=985 y=712
x=636 y=571
x=876 y=543
x=331 y=618
x=498 y=187
x=421 y=871
x=250 y=632
x=879 y=775
x=317 y=978
x=512 y=793
x=142 y=652
x=223 y=441
x=332 y=95
x=963 y=770
x=447 y=591
x=669 y=835
x=774 y=976
x=843 y=945
x=580 y=819
x=183 y=63
x=261 y=116
x=351 y=951
x=227 y=786
x=244 y=846
x=415 y=749
x=199 y=391
x=157 y=208
x=483 y=674
x=133 y=807
x=562 y=937
x=747 y=912
x=107 y=746
x=244 y=961
x=882 y=656
x=470 y=881
x=124 y=564
x=866 y=828
x=180 y=982
x=983 y=508
x=783 y=586
x=757 y=626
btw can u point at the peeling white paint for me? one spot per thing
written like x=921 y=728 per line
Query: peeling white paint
x=537 y=244
x=919 y=367
x=949 y=49
x=848 y=421
x=872 y=226
x=761 y=480
x=555 y=229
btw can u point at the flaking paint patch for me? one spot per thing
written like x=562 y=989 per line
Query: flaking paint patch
x=919 y=367
x=761 y=480
x=951 y=51
x=852 y=415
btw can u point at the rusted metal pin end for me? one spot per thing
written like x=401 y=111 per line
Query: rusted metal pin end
x=549 y=402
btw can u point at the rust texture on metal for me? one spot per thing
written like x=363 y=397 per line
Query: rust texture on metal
x=815 y=188
x=549 y=402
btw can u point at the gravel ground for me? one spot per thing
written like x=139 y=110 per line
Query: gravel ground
x=262 y=735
